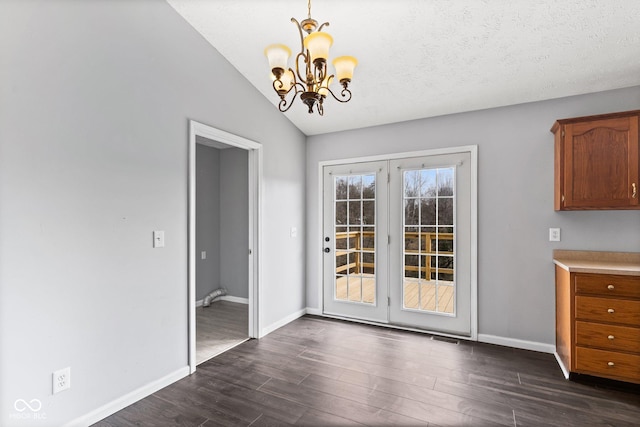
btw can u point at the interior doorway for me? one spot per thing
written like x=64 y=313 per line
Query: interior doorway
x=224 y=236
x=222 y=217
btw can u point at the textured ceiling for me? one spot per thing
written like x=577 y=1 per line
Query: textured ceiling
x=424 y=58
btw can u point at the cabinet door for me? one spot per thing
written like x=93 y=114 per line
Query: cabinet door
x=601 y=164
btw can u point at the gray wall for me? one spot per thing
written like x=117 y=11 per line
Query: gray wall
x=207 y=219
x=95 y=99
x=515 y=203
x=234 y=218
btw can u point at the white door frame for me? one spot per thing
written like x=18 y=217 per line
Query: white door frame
x=254 y=150
x=473 y=149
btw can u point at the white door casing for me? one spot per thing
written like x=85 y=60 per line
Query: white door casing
x=254 y=263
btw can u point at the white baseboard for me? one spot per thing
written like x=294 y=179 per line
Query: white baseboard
x=516 y=343
x=565 y=371
x=280 y=323
x=128 y=399
x=239 y=300
x=490 y=339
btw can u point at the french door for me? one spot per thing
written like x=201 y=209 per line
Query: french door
x=398 y=242
x=355 y=240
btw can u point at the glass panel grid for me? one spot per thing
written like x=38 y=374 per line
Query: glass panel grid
x=354 y=236
x=428 y=240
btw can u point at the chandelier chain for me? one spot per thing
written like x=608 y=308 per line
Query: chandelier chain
x=309 y=8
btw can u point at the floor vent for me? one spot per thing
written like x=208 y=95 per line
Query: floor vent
x=445 y=339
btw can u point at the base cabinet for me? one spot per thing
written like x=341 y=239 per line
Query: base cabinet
x=598 y=324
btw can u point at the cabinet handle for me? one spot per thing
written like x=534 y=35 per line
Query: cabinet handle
x=611 y=364
x=611 y=337
x=611 y=310
x=611 y=287
x=635 y=190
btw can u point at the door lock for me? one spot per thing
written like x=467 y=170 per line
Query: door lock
x=327 y=250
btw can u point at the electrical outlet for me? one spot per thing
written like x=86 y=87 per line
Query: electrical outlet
x=61 y=380
x=554 y=234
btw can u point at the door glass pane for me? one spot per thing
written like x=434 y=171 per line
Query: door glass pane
x=368 y=239
x=341 y=213
x=369 y=212
x=355 y=259
x=411 y=213
x=368 y=187
x=355 y=187
x=428 y=240
x=341 y=188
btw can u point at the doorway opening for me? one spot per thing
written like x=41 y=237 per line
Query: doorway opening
x=222 y=215
x=224 y=231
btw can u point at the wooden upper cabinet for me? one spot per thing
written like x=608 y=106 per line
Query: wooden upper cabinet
x=596 y=162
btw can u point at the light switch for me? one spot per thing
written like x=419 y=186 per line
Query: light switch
x=203 y=255
x=158 y=239
x=294 y=232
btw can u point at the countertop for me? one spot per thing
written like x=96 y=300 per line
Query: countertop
x=623 y=263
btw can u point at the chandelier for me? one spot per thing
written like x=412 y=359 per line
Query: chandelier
x=311 y=79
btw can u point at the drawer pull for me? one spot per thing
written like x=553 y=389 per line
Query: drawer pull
x=611 y=287
x=611 y=337
x=611 y=364
x=611 y=310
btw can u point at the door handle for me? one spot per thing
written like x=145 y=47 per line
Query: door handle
x=635 y=190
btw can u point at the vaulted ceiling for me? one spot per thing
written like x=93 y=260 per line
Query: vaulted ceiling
x=424 y=58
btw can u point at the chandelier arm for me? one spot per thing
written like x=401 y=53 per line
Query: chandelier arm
x=295 y=21
x=283 y=101
x=276 y=82
x=325 y=24
x=304 y=59
x=344 y=93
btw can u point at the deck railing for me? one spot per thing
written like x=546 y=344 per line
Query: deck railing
x=426 y=240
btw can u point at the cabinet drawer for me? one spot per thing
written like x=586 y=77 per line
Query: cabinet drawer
x=608 y=310
x=608 y=337
x=620 y=366
x=608 y=285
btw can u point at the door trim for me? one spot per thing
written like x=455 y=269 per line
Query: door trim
x=254 y=150
x=473 y=150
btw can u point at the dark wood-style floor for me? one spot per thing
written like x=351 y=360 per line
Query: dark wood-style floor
x=323 y=372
